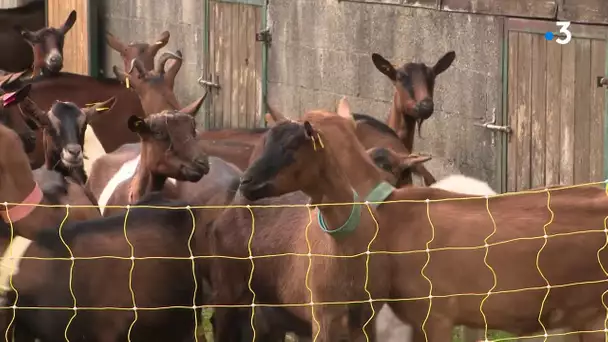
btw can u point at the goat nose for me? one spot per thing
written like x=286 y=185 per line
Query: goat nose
x=74 y=149
x=55 y=58
x=426 y=107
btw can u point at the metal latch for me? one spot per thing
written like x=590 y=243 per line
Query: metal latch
x=602 y=81
x=491 y=125
x=264 y=36
x=206 y=83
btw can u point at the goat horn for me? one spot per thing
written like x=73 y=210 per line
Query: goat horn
x=139 y=65
x=132 y=66
x=164 y=58
x=276 y=115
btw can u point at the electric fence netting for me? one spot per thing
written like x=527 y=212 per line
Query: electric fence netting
x=546 y=317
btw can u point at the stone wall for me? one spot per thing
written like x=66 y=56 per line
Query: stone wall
x=321 y=50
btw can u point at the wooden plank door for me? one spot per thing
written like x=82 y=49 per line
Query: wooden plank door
x=79 y=48
x=234 y=64
x=554 y=105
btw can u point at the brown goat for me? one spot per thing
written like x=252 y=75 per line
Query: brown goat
x=63 y=127
x=509 y=252
x=276 y=322
x=413 y=99
x=168 y=149
x=154 y=87
x=298 y=156
x=140 y=50
x=47 y=46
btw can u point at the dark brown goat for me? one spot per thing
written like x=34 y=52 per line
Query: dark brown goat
x=298 y=156
x=170 y=285
x=413 y=99
x=63 y=127
x=48 y=187
x=84 y=91
x=47 y=46
x=30 y=17
x=394 y=164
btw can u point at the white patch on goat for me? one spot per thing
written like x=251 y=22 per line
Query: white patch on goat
x=464 y=185
x=92 y=147
x=389 y=327
x=9 y=265
x=126 y=172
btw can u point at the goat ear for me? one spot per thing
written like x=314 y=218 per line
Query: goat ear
x=310 y=131
x=384 y=66
x=30 y=110
x=274 y=114
x=411 y=160
x=138 y=125
x=93 y=112
x=344 y=109
x=69 y=22
x=444 y=62
x=29 y=36
x=270 y=121
x=193 y=108
x=115 y=43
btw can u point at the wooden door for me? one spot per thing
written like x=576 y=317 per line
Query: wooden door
x=234 y=73
x=79 y=48
x=554 y=105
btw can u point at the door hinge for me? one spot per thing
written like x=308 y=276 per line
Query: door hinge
x=264 y=36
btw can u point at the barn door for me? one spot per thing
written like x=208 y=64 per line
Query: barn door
x=80 y=54
x=235 y=70
x=555 y=107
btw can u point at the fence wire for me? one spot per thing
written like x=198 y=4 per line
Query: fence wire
x=428 y=250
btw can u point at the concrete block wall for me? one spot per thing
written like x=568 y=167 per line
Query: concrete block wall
x=144 y=20
x=321 y=51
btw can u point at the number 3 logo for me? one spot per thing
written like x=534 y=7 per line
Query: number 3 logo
x=563 y=25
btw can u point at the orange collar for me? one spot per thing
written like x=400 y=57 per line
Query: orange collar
x=20 y=211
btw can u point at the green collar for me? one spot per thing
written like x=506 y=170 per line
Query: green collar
x=349 y=226
x=378 y=194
